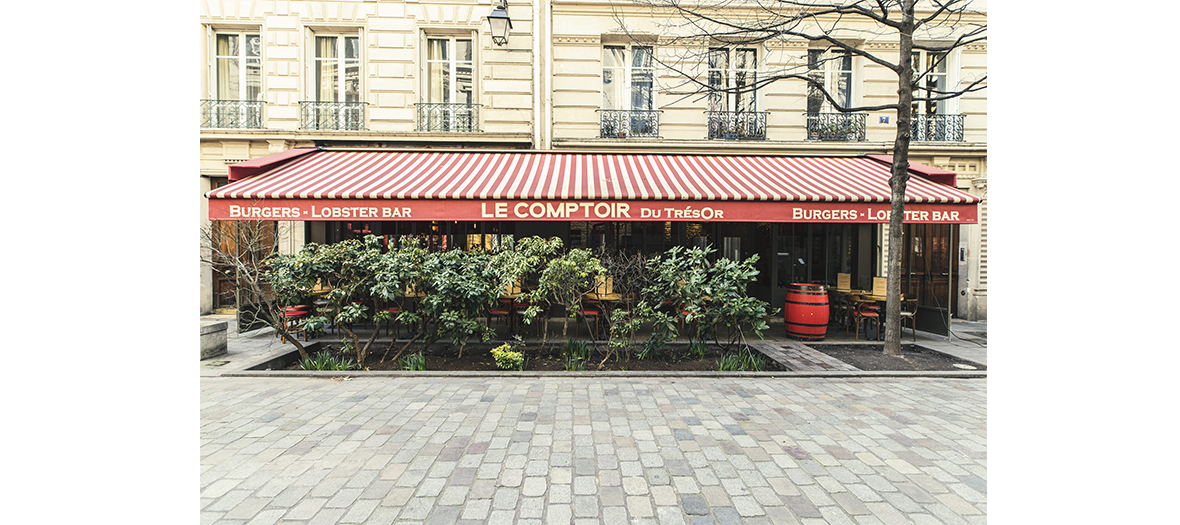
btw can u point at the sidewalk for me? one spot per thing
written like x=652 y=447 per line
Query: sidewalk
x=589 y=449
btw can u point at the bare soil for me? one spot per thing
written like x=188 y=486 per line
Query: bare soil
x=913 y=358
x=673 y=358
x=478 y=357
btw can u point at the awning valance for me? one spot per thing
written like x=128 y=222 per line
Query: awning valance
x=464 y=185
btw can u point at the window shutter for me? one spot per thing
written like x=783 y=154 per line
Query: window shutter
x=953 y=77
x=211 y=60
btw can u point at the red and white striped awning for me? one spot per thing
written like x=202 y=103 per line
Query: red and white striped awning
x=464 y=185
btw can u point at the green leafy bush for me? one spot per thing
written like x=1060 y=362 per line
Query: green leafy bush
x=325 y=361
x=507 y=358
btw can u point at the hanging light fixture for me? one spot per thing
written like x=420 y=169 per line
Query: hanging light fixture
x=500 y=23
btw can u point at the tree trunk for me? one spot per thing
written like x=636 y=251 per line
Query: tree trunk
x=897 y=181
x=271 y=317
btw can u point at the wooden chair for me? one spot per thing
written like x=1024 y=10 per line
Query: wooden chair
x=588 y=313
x=909 y=307
x=837 y=308
x=393 y=312
x=851 y=301
x=293 y=314
x=518 y=308
x=865 y=312
x=501 y=311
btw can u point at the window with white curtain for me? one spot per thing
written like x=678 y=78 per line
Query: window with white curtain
x=337 y=68
x=238 y=71
x=833 y=70
x=930 y=79
x=733 y=78
x=450 y=70
x=628 y=77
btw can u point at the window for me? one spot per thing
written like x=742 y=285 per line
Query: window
x=733 y=98
x=337 y=91
x=338 y=68
x=449 y=92
x=628 y=77
x=235 y=86
x=732 y=84
x=239 y=67
x=933 y=119
x=833 y=70
x=929 y=81
x=449 y=71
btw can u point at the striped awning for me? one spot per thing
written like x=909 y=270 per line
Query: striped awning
x=423 y=178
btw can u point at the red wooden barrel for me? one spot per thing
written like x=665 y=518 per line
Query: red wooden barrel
x=805 y=312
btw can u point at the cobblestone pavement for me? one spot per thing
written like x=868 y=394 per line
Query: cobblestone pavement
x=558 y=450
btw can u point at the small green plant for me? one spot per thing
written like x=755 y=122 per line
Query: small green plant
x=730 y=363
x=575 y=354
x=507 y=358
x=414 y=362
x=651 y=347
x=698 y=349
x=325 y=361
x=745 y=360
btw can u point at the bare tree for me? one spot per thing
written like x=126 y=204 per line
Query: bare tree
x=833 y=29
x=240 y=251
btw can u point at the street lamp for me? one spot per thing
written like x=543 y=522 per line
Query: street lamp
x=500 y=23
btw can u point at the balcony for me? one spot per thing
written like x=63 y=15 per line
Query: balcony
x=237 y=114
x=836 y=127
x=340 y=116
x=455 y=118
x=937 y=128
x=737 y=125
x=628 y=124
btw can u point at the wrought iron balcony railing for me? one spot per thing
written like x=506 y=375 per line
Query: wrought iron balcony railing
x=458 y=118
x=737 y=125
x=942 y=128
x=345 y=116
x=841 y=127
x=625 y=124
x=238 y=114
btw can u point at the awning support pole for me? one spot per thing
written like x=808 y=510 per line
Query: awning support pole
x=950 y=288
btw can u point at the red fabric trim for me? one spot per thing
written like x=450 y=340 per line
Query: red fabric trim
x=930 y=173
x=242 y=170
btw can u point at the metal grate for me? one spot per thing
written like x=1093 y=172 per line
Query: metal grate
x=458 y=118
x=239 y=114
x=345 y=116
x=625 y=124
x=940 y=128
x=836 y=127
x=737 y=125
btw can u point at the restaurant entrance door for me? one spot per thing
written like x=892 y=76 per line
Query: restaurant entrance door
x=246 y=241
x=927 y=266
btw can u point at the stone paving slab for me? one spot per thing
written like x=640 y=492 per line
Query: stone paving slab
x=593 y=450
x=799 y=357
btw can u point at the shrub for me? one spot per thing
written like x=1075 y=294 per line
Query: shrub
x=414 y=362
x=507 y=358
x=325 y=361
